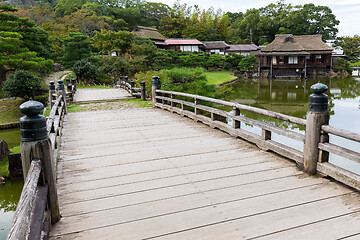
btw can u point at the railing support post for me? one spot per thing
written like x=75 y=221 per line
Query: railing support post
x=156 y=84
x=61 y=91
x=317 y=116
x=132 y=85
x=121 y=81
x=196 y=110
x=143 y=91
x=73 y=83
x=236 y=123
x=51 y=93
x=35 y=143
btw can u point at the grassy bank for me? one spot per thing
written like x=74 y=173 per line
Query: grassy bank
x=9 y=111
x=219 y=77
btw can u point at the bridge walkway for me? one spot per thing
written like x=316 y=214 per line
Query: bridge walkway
x=150 y=174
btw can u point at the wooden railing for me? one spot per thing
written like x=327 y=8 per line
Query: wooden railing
x=38 y=206
x=316 y=147
x=129 y=86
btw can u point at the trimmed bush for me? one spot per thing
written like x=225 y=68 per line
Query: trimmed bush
x=22 y=84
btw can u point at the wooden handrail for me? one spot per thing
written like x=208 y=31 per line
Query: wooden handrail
x=20 y=226
x=264 y=141
x=194 y=109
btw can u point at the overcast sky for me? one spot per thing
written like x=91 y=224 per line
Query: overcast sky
x=346 y=11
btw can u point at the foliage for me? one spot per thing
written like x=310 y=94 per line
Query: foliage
x=247 y=63
x=22 y=84
x=351 y=47
x=85 y=70
x=342 y=66
x=76 y=47
x=4 y=168
x=117 y=65
x=147 y=78
x=21 y=44
x=189 y=80
x=107 y=41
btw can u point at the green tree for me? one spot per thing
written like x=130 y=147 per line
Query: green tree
x=351 y=46
x=76 y=47
x=342 y=66
x=107 y=41
x=18 y=46
x=85 y=70
x=65 y=7
x=247 y=63
x=152 y=13
x=22 y=84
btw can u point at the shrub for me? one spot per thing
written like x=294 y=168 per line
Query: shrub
x=147 y=78
x=22 y=84
x=85 y=70
x=342 y=66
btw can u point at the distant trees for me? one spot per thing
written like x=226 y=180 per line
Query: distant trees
x=22 y=45
x=76 y=47
x=351 y=47
x=107 y=41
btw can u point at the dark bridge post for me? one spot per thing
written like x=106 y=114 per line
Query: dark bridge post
x=35 y=144
x=317 y=116
x=156 y=84
x=51 y=93
x=143 y=91
x=61 y=91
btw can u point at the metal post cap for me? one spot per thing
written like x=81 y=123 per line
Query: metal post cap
x=142 y=83
x=32 y=125
x=156 y=80
x=126 y=77
x=318 y=101
x=60 y=85
x=52 y=85
x=73 y=81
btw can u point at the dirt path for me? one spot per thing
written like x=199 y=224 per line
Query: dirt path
x=56 y=76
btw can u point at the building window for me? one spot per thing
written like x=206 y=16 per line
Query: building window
x=293 y=60
x=281 y=59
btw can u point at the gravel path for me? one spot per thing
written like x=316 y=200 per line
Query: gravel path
x=56 y=76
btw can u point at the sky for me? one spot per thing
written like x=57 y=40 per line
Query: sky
x=346 y=11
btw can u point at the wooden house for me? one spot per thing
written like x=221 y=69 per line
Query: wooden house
x=243 y=49
x=151 y=33
x=180 y=44
x=216 y=47
x=291 y=56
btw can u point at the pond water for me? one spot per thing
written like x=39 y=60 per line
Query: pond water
x=11 y=190
x=291 y=97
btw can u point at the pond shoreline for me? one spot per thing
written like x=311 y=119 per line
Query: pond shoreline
x=9 y=126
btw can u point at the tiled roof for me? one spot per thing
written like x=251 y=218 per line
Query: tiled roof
x=215 y=45
x=242 y=48
x=181 y=41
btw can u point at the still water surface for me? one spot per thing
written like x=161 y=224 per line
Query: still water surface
x=291 y=97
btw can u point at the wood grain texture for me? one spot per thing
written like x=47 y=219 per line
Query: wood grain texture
x=121 y=176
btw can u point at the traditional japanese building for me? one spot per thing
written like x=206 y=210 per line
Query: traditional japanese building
x=243 y=49
x=187 y=45
x=151 y=33
x=295 y=57
x=216 y=47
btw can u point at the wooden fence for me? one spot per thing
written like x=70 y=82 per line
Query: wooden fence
x=129 y=86
x=38 y=206
x=208 y=111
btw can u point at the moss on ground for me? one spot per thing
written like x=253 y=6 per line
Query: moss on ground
x=219 y=77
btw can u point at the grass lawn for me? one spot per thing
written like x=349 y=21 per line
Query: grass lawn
x=219 y=77
x=9 y=111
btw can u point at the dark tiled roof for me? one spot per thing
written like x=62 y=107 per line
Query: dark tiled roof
x=181 y=41
x=242 y=48
x=151 y=33
x=215 y=45
x=290 y=43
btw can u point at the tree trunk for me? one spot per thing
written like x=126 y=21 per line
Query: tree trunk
x=3 y=72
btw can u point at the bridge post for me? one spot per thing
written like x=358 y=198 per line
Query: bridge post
x=35 y=144
x=156 y=84
x=73 y=83
x=236 y=123
x=121 y=81
x=61 y=91
x=317 y=116
x=143 y=91
x=132 y=85
x=51 y=93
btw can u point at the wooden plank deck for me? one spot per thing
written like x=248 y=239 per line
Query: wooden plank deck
x=150 y=174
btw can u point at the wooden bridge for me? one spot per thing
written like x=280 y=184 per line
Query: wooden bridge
x=152 y=174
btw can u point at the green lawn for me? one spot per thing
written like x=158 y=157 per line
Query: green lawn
x=219 y=77
x=9 y=111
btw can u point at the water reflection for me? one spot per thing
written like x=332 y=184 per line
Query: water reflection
x=291 y=97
